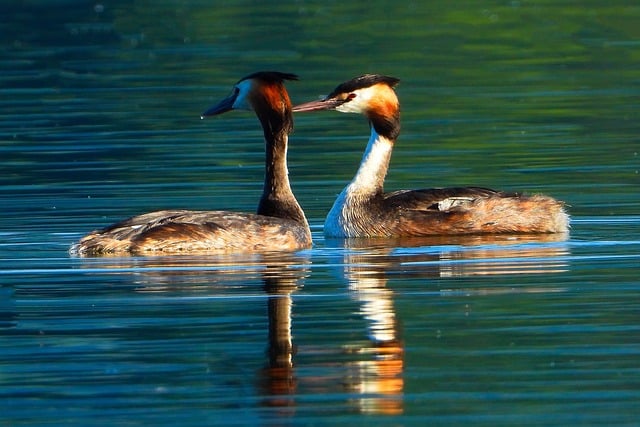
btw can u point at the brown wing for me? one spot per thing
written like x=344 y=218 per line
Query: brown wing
x=136 y=225
x=438 y=199
x=473 y=210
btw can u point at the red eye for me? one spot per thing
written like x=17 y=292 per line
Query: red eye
x=350 y=97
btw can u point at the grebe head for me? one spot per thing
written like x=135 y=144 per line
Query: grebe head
x=264 y=89
x=364 y=94
x=369 y=94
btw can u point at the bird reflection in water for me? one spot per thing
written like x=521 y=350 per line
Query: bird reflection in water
x=463 y=256
x=370 y=367
x=368 y=264
x=370 y=370
x=277 y=379
x=282 y=274
x=377 y=377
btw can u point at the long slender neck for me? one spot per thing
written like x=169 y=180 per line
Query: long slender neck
x=369 y=178
x=385 y=129
x=354 y=208
x=277 y=198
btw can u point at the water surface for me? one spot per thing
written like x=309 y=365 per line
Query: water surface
x=99 y=120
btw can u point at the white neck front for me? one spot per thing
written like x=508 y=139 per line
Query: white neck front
x=374 y=165
x=349 y=212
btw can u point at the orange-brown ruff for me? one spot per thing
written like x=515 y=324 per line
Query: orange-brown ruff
x=363 y=209
x=280 y=223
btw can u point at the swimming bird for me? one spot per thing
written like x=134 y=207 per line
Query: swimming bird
x=278 y=225
x=363 y=209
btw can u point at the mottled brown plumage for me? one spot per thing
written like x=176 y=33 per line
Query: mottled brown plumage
x=363 y=209
x=278 y=225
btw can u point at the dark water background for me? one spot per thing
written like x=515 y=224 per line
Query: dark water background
x=99 y=120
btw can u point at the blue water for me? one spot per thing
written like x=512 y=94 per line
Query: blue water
x=99 y=120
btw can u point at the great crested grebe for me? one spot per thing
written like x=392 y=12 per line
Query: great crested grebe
x=280 y=223
x=363 y=209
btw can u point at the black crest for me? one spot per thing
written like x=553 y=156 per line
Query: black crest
x=366 y=80
x=271 y=76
